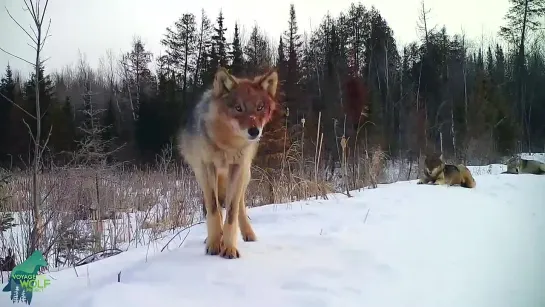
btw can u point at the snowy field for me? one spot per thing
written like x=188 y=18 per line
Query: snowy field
x=401 y=244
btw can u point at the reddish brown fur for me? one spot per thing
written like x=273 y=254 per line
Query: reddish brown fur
x=249 y=96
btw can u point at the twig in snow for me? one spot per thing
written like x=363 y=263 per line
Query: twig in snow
x=186 y=234
x=76 y=271
x=188 y=227
x=366 y=215
x=147 y=252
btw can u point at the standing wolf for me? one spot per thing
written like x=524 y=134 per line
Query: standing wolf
x=219 y=142
x=437 y=171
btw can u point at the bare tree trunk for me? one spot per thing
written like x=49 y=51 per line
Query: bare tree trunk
x=36 y=233
x=125 y=71
x=111 y=78
x=37 y=13
x=452 y=130
x=521 y=73
x=464 y=72
x=200 y=49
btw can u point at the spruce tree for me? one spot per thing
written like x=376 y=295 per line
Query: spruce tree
x=7 y=87
x=237 y=61
x=220 y=43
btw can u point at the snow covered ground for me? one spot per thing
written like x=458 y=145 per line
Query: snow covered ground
x=401 y=244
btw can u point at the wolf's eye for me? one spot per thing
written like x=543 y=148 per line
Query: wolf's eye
x=238 y=108
x=260 y=107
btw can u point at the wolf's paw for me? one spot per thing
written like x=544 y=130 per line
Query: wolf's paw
x=249 y=236
x=229 y=252
x=213 y=247
x=206 y=239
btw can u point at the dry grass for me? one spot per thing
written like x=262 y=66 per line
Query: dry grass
x=88 y=210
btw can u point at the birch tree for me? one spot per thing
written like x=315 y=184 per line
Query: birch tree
x=37 y=12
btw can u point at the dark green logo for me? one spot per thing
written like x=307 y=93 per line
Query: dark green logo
x=24 y=279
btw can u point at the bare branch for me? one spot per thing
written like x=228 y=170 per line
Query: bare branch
x=29 y=131
x=38 y=11
x=32 y=38
x=46 y=34
x=33 y=47
x=32 y=11
x=20 y=58
x=46 y=141
x=31 y=28
x=45 y=112
x=43 y=61
x=18 y=106
x=45 y=9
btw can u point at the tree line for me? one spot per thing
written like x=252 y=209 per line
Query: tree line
x=348 y=77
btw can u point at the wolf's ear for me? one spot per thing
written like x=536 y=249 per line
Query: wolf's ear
x=269 y=82
x=441 y=157
x=512 y=159
x=223 y=82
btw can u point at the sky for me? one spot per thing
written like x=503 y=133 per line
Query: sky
x=93 y=27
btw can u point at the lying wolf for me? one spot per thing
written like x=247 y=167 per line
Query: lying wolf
x=437 y=172
x=518 y=165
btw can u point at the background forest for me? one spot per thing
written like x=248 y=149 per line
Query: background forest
x=356 y=106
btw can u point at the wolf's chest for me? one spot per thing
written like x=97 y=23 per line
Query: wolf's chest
x=222 y=159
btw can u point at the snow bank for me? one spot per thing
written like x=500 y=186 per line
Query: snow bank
x=401 y=244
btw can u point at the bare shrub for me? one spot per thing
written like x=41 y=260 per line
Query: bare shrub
x=88 y=209
x=481 y=151
x=135 y=206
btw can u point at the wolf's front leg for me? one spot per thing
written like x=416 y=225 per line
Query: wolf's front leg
x=219 y=212
x=213 y=225
x=248 y=234
x=440 y=181
x=234 y=193
x=213 y=215
x=246 y=230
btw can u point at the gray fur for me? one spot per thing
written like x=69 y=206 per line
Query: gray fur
x=195 y=123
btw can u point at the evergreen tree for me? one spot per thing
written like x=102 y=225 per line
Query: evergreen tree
x=137 y=75
x=6 y=217
x=436 y=94
x=236 y=55
x=46 y=98
x=499 y=72
x=257 y=53
x=220 y=43
x=180 y=48
x=293 y=51
x=523 y=18
x=489 y=62
x=7 y=91
x=204 y=43
x=63 y=133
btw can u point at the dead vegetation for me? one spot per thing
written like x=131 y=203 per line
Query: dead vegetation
x=91 y=209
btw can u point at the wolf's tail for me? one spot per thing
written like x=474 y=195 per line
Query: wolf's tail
x=467 y=179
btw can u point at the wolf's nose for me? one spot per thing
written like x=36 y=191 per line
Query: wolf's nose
x=253 y=132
